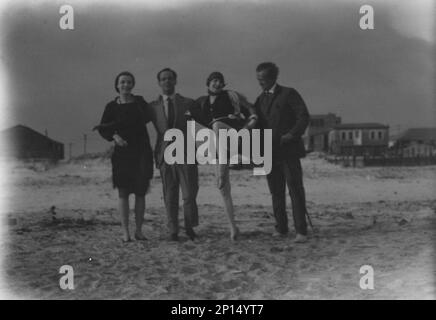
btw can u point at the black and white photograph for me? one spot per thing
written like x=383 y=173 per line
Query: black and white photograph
x=218 y=150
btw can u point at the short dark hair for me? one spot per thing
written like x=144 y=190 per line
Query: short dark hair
x=124 y=73
x=215 y=75
x=167 y=69
x=270 y=67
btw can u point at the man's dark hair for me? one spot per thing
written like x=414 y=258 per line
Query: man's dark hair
x=271 y=69
x=167 y=69
x=124 y=73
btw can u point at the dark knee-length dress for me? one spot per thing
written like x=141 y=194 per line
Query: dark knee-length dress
x=132 y=165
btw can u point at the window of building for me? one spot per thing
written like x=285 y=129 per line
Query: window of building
x=317 y=123
x=350 y=135
x=380 y=135
x=344 y=135
x=356 y=134
x=372 y=135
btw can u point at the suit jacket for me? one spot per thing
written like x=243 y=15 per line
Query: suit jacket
x=159 y=119
x=286 y=114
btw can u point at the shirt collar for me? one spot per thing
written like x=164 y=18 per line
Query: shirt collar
x=272 y=89
x=165 y=97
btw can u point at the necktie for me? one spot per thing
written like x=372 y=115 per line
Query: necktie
x=170 y=115
x=267 y=101
x=267 y=97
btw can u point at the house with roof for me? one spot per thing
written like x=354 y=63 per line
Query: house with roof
x=22 y=142
x=416 y=142
x=359 y=139
x=316 y=135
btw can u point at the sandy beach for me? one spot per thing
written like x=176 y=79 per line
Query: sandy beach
x=382 y=217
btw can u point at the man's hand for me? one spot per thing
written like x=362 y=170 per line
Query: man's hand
x=119 y=141
x=286 y=138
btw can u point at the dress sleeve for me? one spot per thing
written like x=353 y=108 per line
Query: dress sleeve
x=246 y=108
x=107 y=126
x=235 y=100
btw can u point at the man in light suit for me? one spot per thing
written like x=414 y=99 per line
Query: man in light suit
x=168 y=112
x=282 y=110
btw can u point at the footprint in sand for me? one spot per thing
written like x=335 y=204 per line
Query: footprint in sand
x=231 y=284
x=255 y=266
x=189 y=247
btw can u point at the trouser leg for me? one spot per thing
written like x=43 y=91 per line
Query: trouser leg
x=188 y=176
x=170 y=185
x=277 y=188
x=294 y=179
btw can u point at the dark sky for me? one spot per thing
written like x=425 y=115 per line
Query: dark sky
x=61 y=80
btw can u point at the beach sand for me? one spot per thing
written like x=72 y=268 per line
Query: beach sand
x=382 y=217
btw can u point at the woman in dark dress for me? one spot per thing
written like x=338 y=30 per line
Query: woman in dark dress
x=123 y=122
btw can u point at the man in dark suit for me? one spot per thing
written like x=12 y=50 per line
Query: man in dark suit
x=168 y=112
x=282 y=110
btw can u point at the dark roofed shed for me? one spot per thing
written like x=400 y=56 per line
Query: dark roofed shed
x=25 y=143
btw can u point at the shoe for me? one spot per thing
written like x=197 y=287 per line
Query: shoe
x=140 y=237
x=173 y=237
x=300 y=238
x=278 y=234
x=234 y=234
x=191 y=234
x=126 y=240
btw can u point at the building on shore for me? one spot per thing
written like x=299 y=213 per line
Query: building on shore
x=415 y=142
x=22 y=142
x=359 y=139
x=317 y=133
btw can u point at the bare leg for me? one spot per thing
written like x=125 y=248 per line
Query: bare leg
x=139 y=216
x=123 y=208
x=223 y=181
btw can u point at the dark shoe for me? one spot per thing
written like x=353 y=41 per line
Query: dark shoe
x=300 y=238
x=140 y=237
x=173 y=237
x=191 y=234
x=278 y=234
x=281 y=232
